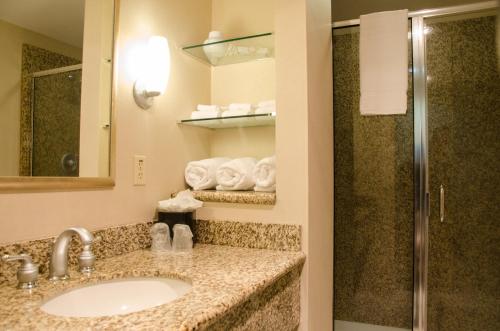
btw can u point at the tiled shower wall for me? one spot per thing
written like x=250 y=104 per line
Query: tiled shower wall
x=36 y=59
x=56 y=123
x=373 y=201
x=464 y=157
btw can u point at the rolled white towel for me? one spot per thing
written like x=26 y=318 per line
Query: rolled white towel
x=196 y=115
x=236 y=175
x=267 y=103
x=200 y=175
x=208 y=108
x=240 y=106
x=264 y=175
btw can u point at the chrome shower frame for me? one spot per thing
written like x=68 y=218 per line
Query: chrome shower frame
x=421 y=177
x=421 y=164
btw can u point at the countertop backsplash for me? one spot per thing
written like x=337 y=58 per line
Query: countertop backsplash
x=115 y=241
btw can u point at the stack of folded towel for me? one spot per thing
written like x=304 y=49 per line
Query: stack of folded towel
x=266 y=107
x=206 y=111
x=233 y=109
x=238 y=109
x=232 y=175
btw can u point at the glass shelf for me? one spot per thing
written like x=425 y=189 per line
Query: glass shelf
x=246 y=197
x=235 y=50
x=232 y=121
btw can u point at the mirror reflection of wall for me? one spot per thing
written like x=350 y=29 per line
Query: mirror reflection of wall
x=55 y=91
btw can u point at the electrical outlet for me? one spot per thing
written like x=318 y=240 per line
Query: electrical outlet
x=139 y=170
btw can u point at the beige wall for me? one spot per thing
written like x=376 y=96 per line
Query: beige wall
x=153 y=133
x=11 y=38
x=243 y=82
x=242 y=16
x=96 y=88
x=255 y=142
x=320 y=165
x=349 y=9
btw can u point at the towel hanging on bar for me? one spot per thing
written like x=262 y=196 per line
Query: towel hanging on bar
x=383 y=54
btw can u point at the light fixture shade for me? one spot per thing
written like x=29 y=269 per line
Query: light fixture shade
x=157 y=66
x=153 y=78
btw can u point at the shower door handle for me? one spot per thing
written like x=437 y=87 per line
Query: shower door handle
x=441 y=203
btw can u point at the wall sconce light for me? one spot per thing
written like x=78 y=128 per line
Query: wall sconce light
x=154 y=79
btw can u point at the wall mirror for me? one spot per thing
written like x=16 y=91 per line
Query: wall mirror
x=56 y=93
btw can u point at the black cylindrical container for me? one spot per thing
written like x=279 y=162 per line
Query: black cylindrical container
x=172 y=219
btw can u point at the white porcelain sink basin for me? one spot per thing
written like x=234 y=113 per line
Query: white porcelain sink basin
x=116 y=297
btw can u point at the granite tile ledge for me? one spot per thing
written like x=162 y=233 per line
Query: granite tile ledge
x=281 y=237
x=243 y=197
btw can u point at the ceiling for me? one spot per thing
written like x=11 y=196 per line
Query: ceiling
x=351 y=9
x=58 y=19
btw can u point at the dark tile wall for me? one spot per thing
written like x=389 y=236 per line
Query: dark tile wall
x=464 y=156
x=373 y=202
x=56 y=123
x=34 y=59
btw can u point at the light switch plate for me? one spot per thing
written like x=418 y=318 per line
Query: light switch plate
x=139 y=170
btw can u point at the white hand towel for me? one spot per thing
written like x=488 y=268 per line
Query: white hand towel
x=236 y=175
x=208 y=108
x=264 y=175
x=200 y=175
x=195 y=115
x=383 y=54
x=240 y=106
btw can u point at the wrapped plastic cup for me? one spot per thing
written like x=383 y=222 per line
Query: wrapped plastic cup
x=160 y=236
x=183 y=202
x=183 y=238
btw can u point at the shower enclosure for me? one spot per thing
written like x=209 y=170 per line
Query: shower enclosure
x=417 y=196
x=55 y=116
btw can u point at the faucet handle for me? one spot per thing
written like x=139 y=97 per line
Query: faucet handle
x=27 y=274
x=86 y=260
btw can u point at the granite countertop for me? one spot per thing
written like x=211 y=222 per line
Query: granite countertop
x=222 y=277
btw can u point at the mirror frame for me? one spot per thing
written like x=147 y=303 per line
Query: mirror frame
x=12 y=184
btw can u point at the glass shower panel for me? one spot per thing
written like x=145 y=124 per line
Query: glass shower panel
x=463 y=87
x=56 y=124
x=374 y=193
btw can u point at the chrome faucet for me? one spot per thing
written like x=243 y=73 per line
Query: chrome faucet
x=59 y=260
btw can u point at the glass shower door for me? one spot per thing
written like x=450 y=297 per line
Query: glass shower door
x=463 y=89
x=374 y=194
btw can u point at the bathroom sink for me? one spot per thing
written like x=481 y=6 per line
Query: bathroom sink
x=116 y=297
